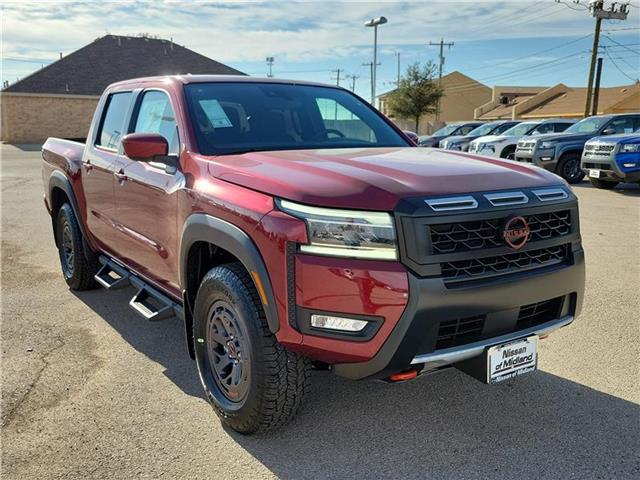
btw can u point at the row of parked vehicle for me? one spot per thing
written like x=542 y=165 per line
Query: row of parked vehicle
x=604 y=147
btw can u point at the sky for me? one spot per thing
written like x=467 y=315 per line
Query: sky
x=515 y=42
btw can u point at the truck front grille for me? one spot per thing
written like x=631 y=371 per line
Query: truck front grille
x=463 y=331
x=485 y=267
x=468 y=236
x=460 y=331
x=603 y=149
x=599 y=166
x=525 y=146
x=538 y=313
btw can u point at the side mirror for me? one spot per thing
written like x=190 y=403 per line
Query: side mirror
x=144 y=147
x=412 y=136
x=608 y=131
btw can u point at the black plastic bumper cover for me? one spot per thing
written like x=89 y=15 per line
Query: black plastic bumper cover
x=430 y=302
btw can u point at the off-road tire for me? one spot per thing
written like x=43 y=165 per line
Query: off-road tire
x=569 y=168
x=278 y=379
x=79 y=266
x=603 y=184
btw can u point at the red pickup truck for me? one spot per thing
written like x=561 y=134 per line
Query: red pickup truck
x=292 y=226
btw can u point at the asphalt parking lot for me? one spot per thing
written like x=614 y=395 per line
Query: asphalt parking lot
x=91 y=391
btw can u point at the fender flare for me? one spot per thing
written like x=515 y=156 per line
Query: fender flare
x=569 y=148
x=60 y=180
x=205 y=228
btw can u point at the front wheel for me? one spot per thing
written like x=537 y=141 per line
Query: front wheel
x=604 y=184
x=569 y=168
x=251 y=381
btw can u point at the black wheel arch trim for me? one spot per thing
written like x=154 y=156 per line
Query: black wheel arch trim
x=200 y=227
x=57 y=179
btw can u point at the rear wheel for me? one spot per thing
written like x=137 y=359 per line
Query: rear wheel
x=78 y=265
x=604 y=184
x=251 y=381
x=569 y=168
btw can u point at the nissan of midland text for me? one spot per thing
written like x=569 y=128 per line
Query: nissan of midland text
x=291 y=226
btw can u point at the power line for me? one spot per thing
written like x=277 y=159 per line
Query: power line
x=337 y=71
x=618 y=68
x=620 y=44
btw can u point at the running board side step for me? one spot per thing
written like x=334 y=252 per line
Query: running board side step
x=111 y=275
x=151 y=304
x=148 y=302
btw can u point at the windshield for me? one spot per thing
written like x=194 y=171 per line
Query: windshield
x=588 y=125
x=446 y=130
x=521 y=129
x=242 y=117
x=485 y=129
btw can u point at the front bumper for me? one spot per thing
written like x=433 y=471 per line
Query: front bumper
x=413 y=339
x=612 y=167
x=541 y=158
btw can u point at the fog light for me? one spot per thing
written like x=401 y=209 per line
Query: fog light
x=338 y=323
x=629 y=165
x=545 y=159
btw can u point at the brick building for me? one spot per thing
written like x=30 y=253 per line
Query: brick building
x=59 y=99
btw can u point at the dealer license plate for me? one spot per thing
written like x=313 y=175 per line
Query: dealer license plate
x=512 y=359
x=594 y=173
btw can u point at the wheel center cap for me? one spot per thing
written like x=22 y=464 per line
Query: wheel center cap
x=232 y=351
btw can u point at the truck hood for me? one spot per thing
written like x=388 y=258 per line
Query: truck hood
x=618 y=138
x=563 y=137
x=372 y=178
x=493 y=138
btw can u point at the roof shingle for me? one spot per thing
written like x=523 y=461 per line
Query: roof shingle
x=112 y=58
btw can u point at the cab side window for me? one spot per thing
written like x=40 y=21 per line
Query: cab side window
x=113 y=120
x=621 y=125
x=544 y=128
x=560 y=127
x=156 y=115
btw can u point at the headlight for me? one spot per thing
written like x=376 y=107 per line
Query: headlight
x=547 y=145
x=630 y=147
x=345 y=233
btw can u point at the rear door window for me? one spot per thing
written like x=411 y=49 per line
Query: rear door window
x=156 y=115
x=561 y=127
x=113 y=121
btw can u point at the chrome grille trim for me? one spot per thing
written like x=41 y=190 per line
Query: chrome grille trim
x=506 y=198
x=466 y=202
x=549 y=194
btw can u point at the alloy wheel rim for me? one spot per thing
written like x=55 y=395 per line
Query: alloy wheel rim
x=67 y=249
x=572 y=169
x=227 y=352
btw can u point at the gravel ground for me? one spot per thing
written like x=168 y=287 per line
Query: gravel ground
x=91 y=391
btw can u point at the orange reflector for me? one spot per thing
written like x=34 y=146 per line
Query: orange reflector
x=402 y=376
x=258 y=282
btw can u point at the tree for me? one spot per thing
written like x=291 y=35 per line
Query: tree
x=417 y=94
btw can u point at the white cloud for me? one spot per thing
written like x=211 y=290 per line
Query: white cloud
x=293 y=31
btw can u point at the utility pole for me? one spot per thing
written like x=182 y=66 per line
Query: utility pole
x=337 y=71
x=442 y=44
x=398 y=80
x=270 y=61
x=596 y=92
x=353 y=81
x=615 y=11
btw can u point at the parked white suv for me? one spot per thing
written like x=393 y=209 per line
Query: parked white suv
x=504 y=145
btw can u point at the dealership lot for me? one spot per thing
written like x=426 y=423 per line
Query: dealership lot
x=91 y=391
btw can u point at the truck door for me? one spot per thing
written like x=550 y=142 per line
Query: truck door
x=98 y=164
x=146 y=198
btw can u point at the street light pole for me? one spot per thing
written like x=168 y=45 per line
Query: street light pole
x=374 y=22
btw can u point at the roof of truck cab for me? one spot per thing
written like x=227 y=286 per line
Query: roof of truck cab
x=187 y=79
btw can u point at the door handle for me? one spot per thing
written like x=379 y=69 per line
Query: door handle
x=121 y=176
x=87 y=166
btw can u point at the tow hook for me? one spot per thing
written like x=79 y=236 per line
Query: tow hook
x=403 y=376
